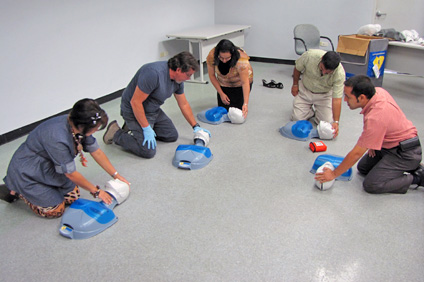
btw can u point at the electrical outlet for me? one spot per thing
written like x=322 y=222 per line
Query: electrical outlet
x=163 y=54
x=323 y=44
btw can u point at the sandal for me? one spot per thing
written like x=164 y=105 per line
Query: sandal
x=266 y=84
x=269 y=84
x=278 y=85
x=272 y=84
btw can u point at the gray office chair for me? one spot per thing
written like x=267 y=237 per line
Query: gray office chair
x=306 y=36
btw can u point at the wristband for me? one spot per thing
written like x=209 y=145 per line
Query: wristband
x=115 y=174
x=336 y=121
x=196 y=125
x=96 y=194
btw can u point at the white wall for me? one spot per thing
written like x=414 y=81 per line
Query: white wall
x=55 y=52
x=272 y=21
x=401 y=15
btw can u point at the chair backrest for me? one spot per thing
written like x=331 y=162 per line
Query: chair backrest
x=310 y=36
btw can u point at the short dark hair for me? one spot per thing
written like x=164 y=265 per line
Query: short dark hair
x=361 y=84
x=331 y=60
x=226 y=46
x=86 y=114
x=185 y=61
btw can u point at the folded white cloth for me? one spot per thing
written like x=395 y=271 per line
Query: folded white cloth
x=369 y=29
x=412 y=36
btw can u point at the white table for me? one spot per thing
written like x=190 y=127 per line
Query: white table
x=405 y=58
x=207 y=37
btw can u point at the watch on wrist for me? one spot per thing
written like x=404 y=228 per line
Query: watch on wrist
x=197 y=124
x=96 y=194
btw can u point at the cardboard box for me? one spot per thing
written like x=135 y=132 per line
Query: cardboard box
x=354 y=44
x=362 y=54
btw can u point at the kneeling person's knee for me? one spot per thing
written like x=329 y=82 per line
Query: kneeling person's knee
x=147 y=153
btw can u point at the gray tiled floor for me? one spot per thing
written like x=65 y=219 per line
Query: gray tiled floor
x=252 y=214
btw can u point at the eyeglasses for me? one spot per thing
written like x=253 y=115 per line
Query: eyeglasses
x=188 y=74
x=224 y=59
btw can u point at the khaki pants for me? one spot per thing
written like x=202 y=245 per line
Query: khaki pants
x=307 y=104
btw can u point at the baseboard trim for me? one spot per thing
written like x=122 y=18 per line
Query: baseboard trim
x=272 y=60
x=17 y=133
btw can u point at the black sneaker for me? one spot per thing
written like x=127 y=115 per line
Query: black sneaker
x=6 y=196
x=419 y=172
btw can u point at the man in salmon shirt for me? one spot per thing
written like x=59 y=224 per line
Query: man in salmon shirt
x=392 y=163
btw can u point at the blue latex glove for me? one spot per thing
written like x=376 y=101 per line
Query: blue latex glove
x=197 y=128
x=149 y=137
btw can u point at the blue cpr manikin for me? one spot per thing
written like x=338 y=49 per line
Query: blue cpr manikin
x=85 y=218
x=301 y=130
x=194 y=156
x=335 y=161
x=215 y=115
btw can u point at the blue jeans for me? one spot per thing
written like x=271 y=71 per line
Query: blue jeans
x=133 y=140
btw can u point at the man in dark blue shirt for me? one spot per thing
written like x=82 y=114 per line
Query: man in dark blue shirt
x=140 y=105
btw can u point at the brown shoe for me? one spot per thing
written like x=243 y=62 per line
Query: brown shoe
x=112 y=128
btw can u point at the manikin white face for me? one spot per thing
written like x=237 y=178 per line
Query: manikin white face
x=236 y=115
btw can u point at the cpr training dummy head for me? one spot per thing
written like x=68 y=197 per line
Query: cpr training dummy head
x=325 y=185
x=303 y=130
x=118 y=189
x=218 y=115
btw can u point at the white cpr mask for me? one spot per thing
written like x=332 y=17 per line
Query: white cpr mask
x=325 y=185
x=118 y=189
x=325 y=130
x=235 y=115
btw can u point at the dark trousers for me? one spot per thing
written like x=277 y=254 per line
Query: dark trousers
x=235 y=94
x=133 y=140
x=385 y=173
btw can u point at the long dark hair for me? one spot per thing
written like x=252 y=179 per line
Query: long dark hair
x=86 y=114
x=226 y=46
